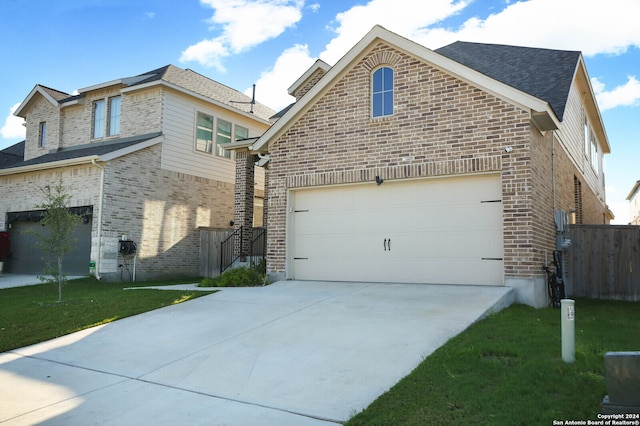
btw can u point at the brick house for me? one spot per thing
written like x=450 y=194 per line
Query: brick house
x=403 y=164
x=634 y=204
x=142 y=157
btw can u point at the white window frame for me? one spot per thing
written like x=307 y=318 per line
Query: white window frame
x=42 y=136
x=208 y=143
x=99 y=118
x=114 y=115
x=383 y=93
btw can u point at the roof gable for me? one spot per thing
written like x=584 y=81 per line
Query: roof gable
x=52 y=95
x=541 y=113
x=544 y=73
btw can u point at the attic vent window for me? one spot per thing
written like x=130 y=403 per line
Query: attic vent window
x=382 y=92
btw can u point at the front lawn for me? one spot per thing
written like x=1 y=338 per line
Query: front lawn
x=30 y=314
x=508 y=370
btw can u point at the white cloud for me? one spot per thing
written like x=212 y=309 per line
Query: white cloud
x=271 y=87
x=13 y=128
x=590 y=27
x=244 y=24
x=627 y=94
x=394 y=15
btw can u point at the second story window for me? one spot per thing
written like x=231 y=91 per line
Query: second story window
x=204 y=132
x=42 y=139
x=594 y=153
x=114 y=115
x=98 y=119
x=214 y=134
x=223 y=137
x=241 y=133
x=382 y=92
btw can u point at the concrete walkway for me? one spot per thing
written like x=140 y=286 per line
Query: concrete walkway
x=292 y=353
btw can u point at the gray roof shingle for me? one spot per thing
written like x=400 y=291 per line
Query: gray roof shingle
x=12 y=155
x=544 y=73
x=100 y=148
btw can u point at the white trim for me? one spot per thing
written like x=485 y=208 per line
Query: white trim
x=88 y=159
x=219 y=104
x=37 y=89
x=378 y=33
x=319 y=64
x=130 y=149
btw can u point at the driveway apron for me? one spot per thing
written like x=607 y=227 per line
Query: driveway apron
x=292 y=353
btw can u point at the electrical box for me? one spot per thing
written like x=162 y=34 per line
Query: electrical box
x=127 y=247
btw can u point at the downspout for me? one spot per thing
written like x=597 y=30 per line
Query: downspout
x=553 y=167
x=100 y=204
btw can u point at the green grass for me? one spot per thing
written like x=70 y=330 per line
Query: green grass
x=508 y=370
x=31 y=314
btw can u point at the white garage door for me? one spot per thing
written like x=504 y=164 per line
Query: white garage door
x=442 y=231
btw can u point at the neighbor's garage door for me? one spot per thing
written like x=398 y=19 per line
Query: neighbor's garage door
x=27 y=257
x=443 y=231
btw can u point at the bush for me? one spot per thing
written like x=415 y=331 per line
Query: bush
x=236 y=277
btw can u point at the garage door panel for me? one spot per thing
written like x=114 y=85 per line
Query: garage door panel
x=435 y=225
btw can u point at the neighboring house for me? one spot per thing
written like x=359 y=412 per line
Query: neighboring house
x=403 y=164
x=634 y=204
x=143 y=159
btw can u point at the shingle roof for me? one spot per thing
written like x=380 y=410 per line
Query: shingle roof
x=197 y=83
x=100 y=148
x=544 y=73
x=12 y=155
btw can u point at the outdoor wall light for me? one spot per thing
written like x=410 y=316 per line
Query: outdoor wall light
x=379 y=180
x=508 y=149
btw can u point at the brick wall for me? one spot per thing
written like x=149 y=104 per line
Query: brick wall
x=41 y=111
x=440 y=126
x=160 y=210
x=313 y=79
x=141 y=113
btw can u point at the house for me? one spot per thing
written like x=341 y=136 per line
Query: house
x=143 y=159
x=634 y=204
x=403 y=164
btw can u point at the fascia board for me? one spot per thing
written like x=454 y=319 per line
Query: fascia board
x=194 y=95
x=633 y=191
x=582 y=76
x=130 y=149
x=101 y=86
x=378 y=33
x=48 y=166
x=317 y=65
x=37 y=89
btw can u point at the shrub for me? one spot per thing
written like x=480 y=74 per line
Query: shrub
x=236 y=277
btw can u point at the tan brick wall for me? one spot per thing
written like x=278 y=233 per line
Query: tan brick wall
x=41 y=111
x=440 y=126
x=141 y=113
x=161 y=211
x=22 y=192
x=313 y=79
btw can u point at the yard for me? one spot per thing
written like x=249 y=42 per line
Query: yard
x=30 y=314
x=507 y=369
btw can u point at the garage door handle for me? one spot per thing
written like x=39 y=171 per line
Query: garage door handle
x=385 y=244
x=389 y=244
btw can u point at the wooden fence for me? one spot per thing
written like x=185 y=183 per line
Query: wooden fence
x=603 y=262
x=210 y=242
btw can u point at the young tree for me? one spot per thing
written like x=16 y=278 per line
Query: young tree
x=60 y=222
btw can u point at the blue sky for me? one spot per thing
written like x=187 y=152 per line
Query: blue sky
x=71 y=44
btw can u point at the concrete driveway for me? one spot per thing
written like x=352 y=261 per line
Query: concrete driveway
x=292 y=353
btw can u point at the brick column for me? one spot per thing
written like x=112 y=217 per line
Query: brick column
x=244 y=193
